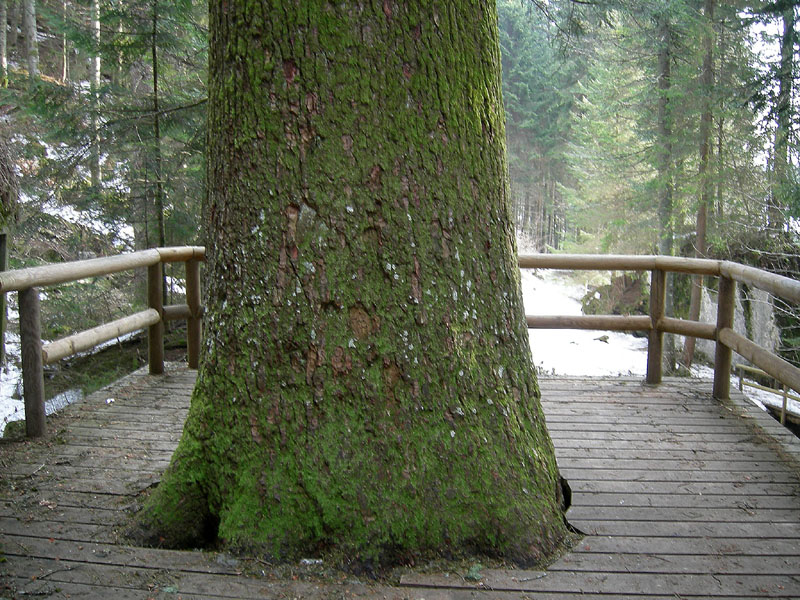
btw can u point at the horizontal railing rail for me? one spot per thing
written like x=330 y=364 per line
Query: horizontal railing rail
x=657 y=324
x=784 y=392
x=27 y=282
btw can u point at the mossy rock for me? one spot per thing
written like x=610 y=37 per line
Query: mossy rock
x=15 y=430
x=625 y=295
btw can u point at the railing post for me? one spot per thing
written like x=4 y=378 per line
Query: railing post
x=194 y=322
x=30 y=333
x=655 y=338
x=723 y=355
x=155 y=334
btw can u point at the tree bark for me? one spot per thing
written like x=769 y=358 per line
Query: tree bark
x=159 y=192
x=706 y=184
x=664 y=162
x=784 y=122
x=64 y=45
x=13 y=23
x=94 y=64
x=3 y=43
x=31 y=42
x=367 y=385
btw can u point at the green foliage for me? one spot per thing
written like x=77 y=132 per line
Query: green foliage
x=538 y=95
x=54 y=119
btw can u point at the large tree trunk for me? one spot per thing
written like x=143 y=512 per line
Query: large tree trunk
x=367 y=382
x=706 y=184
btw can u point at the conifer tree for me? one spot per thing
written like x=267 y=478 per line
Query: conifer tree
x=367 y=383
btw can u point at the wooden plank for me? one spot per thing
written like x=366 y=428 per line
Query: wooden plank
x=618 y=583
x=593 y=453
x=76 y=532
x=87 y=500
x=117 y=431
x=678 y=488
x=735 y=468
x=707 y=429
x=606 y=446
x=132 y=556
x=588 y=500
x=97 y=462
x=24 y=587
x=690 y=546
x=689 y=528
x=179 y=582
x=678 y=563
x=691 y=439
x=47 y=512
x=124 y=470
x=726 y=514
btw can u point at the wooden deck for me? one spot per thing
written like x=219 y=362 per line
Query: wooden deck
x=680 y=497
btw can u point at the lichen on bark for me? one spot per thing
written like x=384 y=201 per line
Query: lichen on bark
x=366 y=383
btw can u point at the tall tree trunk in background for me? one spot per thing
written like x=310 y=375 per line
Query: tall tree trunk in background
x=367 y=383
x=706 y=183
x=664 y=165
x=3 y=43
x=31 y=42
x=64 y=45
x=720 y=166
x=140 y=201
x=780 y=179
x=94 y=73
x=9 y=196
x=13 y=8
x=159 y=194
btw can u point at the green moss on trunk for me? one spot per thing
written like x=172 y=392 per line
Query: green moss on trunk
x=367 y=382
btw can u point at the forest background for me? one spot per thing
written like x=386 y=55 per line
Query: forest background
x=665 y=127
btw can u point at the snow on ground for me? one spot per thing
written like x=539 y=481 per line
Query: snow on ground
x=581 y=352
x=572 y=351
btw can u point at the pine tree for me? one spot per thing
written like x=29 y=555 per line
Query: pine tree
x=367 y=384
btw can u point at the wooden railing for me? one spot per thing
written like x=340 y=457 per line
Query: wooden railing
x=34 y=355
x=727 y=340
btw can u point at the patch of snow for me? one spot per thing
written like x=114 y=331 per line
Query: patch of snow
x=575 y=351
x=122 y=234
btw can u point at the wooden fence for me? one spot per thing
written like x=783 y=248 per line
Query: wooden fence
x=727 y=340
x=34 y=355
